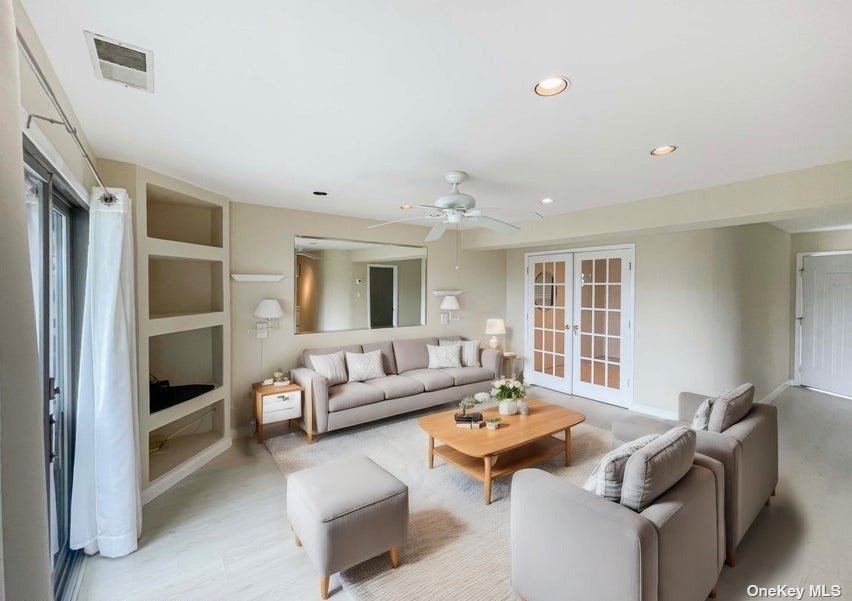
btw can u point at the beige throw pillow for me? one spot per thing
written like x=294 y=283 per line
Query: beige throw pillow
x=605 y=481
x=702 y=415
x=469 y=351
x=364 y=366
x=332 y=366
x=656 y=467
x=441 y=357
x=731 y=407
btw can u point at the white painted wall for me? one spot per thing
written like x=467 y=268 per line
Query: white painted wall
x=711 y=310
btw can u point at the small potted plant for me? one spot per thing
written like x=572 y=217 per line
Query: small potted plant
x=508 y=392
x=468 y=402
x=492 y=423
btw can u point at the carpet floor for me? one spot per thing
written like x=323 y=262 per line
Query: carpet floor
x=458 y=547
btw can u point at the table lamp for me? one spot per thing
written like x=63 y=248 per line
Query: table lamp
x=494 y=328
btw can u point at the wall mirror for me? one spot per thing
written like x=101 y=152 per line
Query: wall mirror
x=352 y=285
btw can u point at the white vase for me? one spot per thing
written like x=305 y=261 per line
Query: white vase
x=508 y=407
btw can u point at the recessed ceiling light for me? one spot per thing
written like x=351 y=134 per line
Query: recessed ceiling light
x=552 y=86
x=319 y=193
x=546 y=201
x=405 y=207
x=663 y=150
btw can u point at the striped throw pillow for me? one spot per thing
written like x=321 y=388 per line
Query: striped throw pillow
x=469 y=351
x=332 y=366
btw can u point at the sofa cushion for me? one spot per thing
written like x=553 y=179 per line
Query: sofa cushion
x=469 y=350
x=730 y=407
x=395 y=387
x=468 y=375
x=411 y=354
x=306 y=354
x=432 y=379
x=353 y=394
x=701 y=419
x=332 y=366
x=364 y=366
x=656 y=467
x=606 y=479
x=388 y=361
x=442 y=357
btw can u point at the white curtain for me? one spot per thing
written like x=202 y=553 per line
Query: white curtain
x=106 y=510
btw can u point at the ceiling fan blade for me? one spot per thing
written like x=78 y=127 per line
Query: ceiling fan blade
x=369 y=227
x=497 y=225
x=473 y=213
x=436 y=232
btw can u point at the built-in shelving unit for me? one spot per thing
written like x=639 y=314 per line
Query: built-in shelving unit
x=183 y=306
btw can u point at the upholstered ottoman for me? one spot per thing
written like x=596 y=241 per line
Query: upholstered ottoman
x=345 y=512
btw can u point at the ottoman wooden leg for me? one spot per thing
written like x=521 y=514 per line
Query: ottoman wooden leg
x=394 y=557
x=731 y=558
x=324 y=587
x=714 y=593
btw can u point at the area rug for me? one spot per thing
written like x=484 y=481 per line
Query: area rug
x=458 y=547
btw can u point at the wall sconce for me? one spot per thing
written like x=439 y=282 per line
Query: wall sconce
x=268 y=309
x=448 y=305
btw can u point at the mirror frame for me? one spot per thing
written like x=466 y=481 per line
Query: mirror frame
x=423 y=284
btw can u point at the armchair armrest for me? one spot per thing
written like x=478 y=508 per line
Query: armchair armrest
x=316 y=392
x=570 y=544
x=687 y=405
x=492 y=359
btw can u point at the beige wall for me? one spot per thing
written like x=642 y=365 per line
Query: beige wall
x=24 y=547
x=262 y=242
x=34 y=101
x=822 y=241
x=711 y=311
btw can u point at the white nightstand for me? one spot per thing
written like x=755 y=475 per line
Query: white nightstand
x=273 y=404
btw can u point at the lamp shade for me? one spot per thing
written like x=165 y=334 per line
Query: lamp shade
x=495 y=327
x=450 y=303
x=269 y=308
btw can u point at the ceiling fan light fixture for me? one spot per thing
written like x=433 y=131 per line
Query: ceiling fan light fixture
x=660 y=151
x=547 y=201
x=552 y=86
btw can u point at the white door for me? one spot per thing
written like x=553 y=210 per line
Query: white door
x=603 y=309
x=548 y=335
x=826 y=323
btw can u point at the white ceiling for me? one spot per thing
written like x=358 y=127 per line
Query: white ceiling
x=373 y=100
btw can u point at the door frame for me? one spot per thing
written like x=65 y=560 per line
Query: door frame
x=627 y=354
x=798 y=308
x=395 y=269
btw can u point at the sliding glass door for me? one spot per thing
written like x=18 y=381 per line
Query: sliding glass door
x=50 y=215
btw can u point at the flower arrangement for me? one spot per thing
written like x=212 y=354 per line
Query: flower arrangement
x=505 y=389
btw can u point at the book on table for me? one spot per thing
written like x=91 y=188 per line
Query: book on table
x=470 y=425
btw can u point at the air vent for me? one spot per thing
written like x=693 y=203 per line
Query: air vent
x=122 y=63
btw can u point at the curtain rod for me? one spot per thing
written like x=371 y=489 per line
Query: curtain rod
x=107 y=197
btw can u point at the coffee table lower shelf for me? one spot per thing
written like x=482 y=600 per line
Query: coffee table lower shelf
x=486 y=469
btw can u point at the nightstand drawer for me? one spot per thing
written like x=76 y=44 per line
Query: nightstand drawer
x=277 y=407
x=270 y=417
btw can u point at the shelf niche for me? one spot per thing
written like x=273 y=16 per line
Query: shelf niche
x=179 y=217
x=190 y=357
x=183 y=286
x=190 y=435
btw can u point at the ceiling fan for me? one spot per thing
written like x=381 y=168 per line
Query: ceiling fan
x=453 y=209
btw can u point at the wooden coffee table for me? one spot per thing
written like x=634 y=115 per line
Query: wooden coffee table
x=521 y=441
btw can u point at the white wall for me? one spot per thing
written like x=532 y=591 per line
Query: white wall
x=711 y=310
x=262 y=242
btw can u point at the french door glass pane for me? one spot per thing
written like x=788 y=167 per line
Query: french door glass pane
x=600 y=322
x=550 y=294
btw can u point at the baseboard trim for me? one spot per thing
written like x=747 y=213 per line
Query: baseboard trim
x=773 y=396
x=191 y=465
x=653 y=411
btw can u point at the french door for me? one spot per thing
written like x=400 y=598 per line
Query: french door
x=50 y=217
x=580 y=323
x=826 y=323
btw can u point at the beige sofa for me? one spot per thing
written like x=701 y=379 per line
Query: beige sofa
x=568 y=543
x=748 y=450
x=408 y=385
